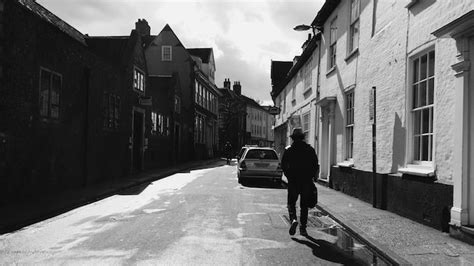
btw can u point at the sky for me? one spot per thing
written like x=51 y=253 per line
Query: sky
x=244 y=34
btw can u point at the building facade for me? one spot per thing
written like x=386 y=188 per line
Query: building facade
x=51 y=116
x=206 y=101
x=258 y=124
x=399 y=68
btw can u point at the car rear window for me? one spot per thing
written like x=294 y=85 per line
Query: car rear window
x=261 y=154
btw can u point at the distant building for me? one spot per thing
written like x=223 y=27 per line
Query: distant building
x=258 y=124
x=206 y=102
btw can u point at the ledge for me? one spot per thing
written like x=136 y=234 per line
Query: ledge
x=331 y=70
x=417 y=170
x=352 y=54
x=346 y=164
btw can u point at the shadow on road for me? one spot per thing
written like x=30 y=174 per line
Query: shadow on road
x=329 y=251
x=263 y=184
x=135 y=190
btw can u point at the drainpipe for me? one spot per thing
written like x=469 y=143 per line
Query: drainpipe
x=374 y=151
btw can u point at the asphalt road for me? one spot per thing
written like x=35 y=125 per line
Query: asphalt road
x=201 y=217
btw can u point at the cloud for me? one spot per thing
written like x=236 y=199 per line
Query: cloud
x=245 y=34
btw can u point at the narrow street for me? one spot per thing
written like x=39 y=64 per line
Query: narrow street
x=191 y=218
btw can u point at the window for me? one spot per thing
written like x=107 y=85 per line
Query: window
x=422 y=106
x=332 y=43
x=111 y=110
x=138 y=80
x=349 y=124
x=354 y=27
x=154 y=123
x=306 y=124
x=50 y=90
x=177 y=104
x=163 y=125
x=308 y=69
x=196 y=92
x=166 y=53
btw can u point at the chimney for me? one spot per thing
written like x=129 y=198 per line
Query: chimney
x=237 y=88
x=305 y=44
x=227 y=84
x=142 y=27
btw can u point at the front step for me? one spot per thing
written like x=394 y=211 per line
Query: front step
x=463 y=233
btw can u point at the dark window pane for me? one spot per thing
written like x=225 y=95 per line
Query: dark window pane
x=426 y=121
x=431 y=120
x=431 y=91
x=424 y=148
x=415 y=96
x=422 y=93
x=416 y=146
x=430 y=155
x=423 y=66
x=416 y=122
x=44 y=93
x=416 y=68
x=55 y=89
x=431 y=64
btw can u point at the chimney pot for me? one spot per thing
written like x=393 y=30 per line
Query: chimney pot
x=142 y=27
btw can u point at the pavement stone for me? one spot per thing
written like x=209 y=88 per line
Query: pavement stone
x=415 y=243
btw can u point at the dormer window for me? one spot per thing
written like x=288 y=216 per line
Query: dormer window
x=166 y=53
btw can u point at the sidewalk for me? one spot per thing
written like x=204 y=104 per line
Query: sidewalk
x=18 y=215
x=391 y=233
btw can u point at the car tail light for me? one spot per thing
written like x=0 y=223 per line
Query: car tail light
x=243 y=166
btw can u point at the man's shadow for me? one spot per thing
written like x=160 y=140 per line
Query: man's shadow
x=329 y=251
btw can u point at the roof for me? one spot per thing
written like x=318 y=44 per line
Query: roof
x=279 y=69
x=109 y=47
x=307 y=52
x=54 y=20
x=203 y=53
x=252 y=102
x=324 y=13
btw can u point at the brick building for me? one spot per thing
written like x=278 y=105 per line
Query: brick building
x=413 y=54
x=50 y=104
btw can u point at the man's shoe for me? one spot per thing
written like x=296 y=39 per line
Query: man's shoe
x=303 y=231
x=293 y=226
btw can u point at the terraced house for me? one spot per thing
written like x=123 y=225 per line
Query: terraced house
x=403 y=69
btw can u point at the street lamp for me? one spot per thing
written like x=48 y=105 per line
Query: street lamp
x=304 y=27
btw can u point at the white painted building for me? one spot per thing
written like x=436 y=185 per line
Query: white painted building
x=416 y=56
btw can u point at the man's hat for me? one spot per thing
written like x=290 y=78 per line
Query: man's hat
x=297 y=133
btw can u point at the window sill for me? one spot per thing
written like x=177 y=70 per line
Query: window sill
x=346 y=164
x=352 y=54
x=331 y=70
x=418 y=170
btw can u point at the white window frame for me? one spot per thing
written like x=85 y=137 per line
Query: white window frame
x=165 y=56
x=306 y=125
x=332 y=47
x=413 y=165
x=354 y=27
x=349 y=124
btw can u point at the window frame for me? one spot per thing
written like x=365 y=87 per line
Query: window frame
x=164 y=54
x=139 y=80
x=352 y=44
x=49 y=103
x=415 y=81
x=349 y=102
x=306 y=130
x=332 y=47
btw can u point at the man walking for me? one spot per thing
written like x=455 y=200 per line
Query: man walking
x=300 y=165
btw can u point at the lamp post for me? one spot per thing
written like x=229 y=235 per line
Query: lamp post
x=304 y=27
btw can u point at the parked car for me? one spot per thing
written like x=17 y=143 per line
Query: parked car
x=242 y=150
x=259 y=163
